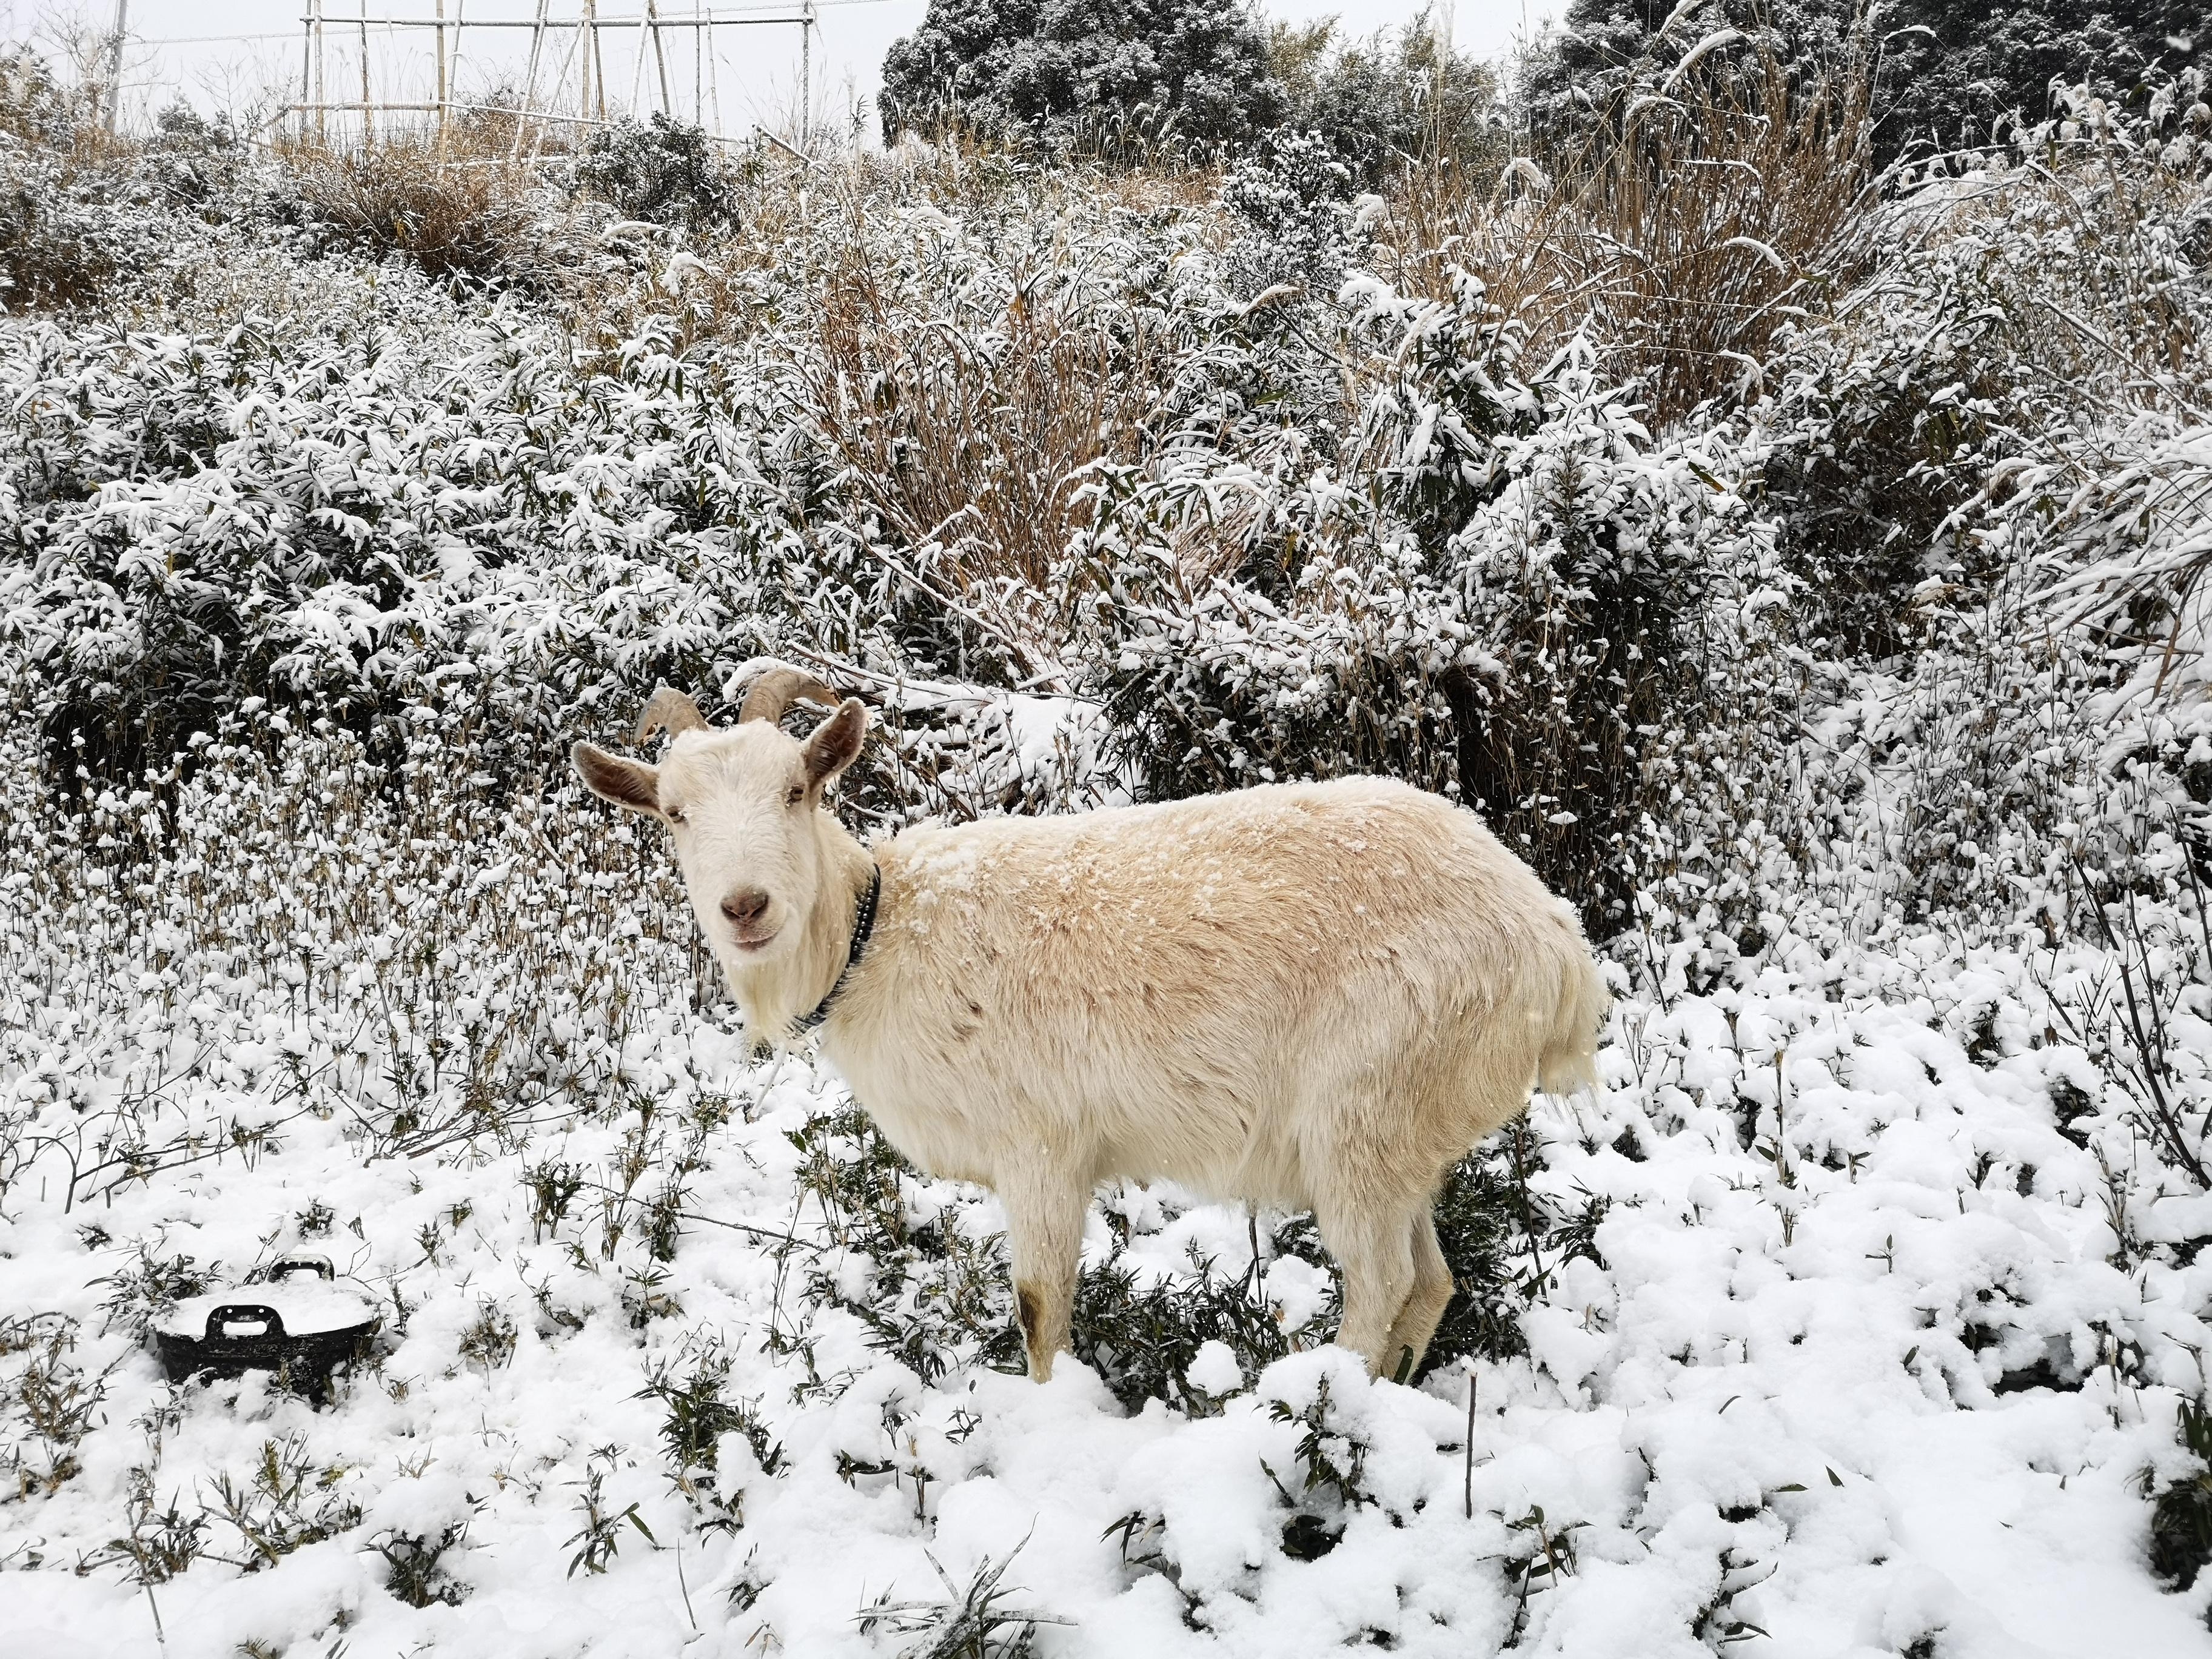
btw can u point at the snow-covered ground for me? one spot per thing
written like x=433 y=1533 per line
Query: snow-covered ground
x=1866 y=1356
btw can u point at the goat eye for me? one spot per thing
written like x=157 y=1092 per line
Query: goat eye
x=796 y=794
x=675 y=815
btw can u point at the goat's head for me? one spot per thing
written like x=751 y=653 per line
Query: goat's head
x=744 y=803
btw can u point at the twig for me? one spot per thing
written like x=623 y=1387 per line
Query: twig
x=1466 y=1484
x=160 y=1636
x=685 y=1588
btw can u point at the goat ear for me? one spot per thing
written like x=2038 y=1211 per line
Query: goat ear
x=626 y=783
x=835 y=743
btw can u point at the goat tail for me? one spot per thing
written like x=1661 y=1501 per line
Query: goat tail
x=1568 y=1060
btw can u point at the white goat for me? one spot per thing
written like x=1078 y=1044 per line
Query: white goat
x=1318 y=996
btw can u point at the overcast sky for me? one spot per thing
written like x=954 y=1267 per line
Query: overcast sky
x=756 y=68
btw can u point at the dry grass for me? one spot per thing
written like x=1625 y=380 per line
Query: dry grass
x=1693 y=223
x=970 y=433
x=453 y=213
x=494 y=127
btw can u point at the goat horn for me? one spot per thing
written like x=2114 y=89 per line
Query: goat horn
x=670 y=711
x=775 y=691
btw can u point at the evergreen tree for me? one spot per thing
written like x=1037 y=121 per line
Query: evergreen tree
x=1949 y=73
x=1104 y=71
x=1395 y=94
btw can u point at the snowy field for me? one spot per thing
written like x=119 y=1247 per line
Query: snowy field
x=1852 y=1361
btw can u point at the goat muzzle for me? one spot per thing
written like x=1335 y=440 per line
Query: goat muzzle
x=745 y=910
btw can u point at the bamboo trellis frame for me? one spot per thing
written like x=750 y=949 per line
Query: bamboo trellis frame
x=586 y=30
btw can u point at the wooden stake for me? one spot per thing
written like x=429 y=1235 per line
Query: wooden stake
x=560 y=85
x=441 y=77
x=529 y=80
x=659 y=58
x=597 y=63
x=1468 y=1479
x=368 y=113
x=637 y=69
x=307 y=66
x=321 y=132
x=115 y=64
x=714 y=78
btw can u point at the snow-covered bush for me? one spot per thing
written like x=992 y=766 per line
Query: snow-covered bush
x=1401 y=97
x=402 y=197
x=1113 y=75
x=72 y=201
x=662 y=170
x=194 y=159
x=1954 y=75
x=1289 y=196
x=1525 y=592
x=1965 y=390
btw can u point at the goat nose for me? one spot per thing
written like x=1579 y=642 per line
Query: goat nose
x=745 y=908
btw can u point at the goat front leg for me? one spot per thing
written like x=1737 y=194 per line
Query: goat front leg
x=1045 y=1223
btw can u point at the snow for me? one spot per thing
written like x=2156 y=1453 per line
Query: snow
x=1757 y=1412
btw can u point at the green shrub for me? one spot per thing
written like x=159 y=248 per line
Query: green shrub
x=1390 y=99
x=1111 y=75
x=661 y=170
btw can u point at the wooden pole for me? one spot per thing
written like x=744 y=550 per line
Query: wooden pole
x=560 y=85
x=453 y=61
x=714 y=78
x=698 y=67
x=441 y=77
x=659 y=58
x=322 y=133
x=599 y=63
x=461 y=22
x=637 y=69
x=581 y=45
x=307 y=67
x=529 y=80
x=367 y=114
x=115 y=63
x=806 y=78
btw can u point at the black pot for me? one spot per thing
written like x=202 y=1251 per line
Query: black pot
x=297 y=1321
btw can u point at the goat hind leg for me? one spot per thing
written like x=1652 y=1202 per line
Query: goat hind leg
x=1431 y=1293
x=1374 y=1250
x=1045 y=1223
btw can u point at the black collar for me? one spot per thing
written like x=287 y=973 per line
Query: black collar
x=863 y=923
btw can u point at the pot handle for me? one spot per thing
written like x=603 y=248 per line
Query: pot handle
x=220 y=1319
x=284 y=1266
